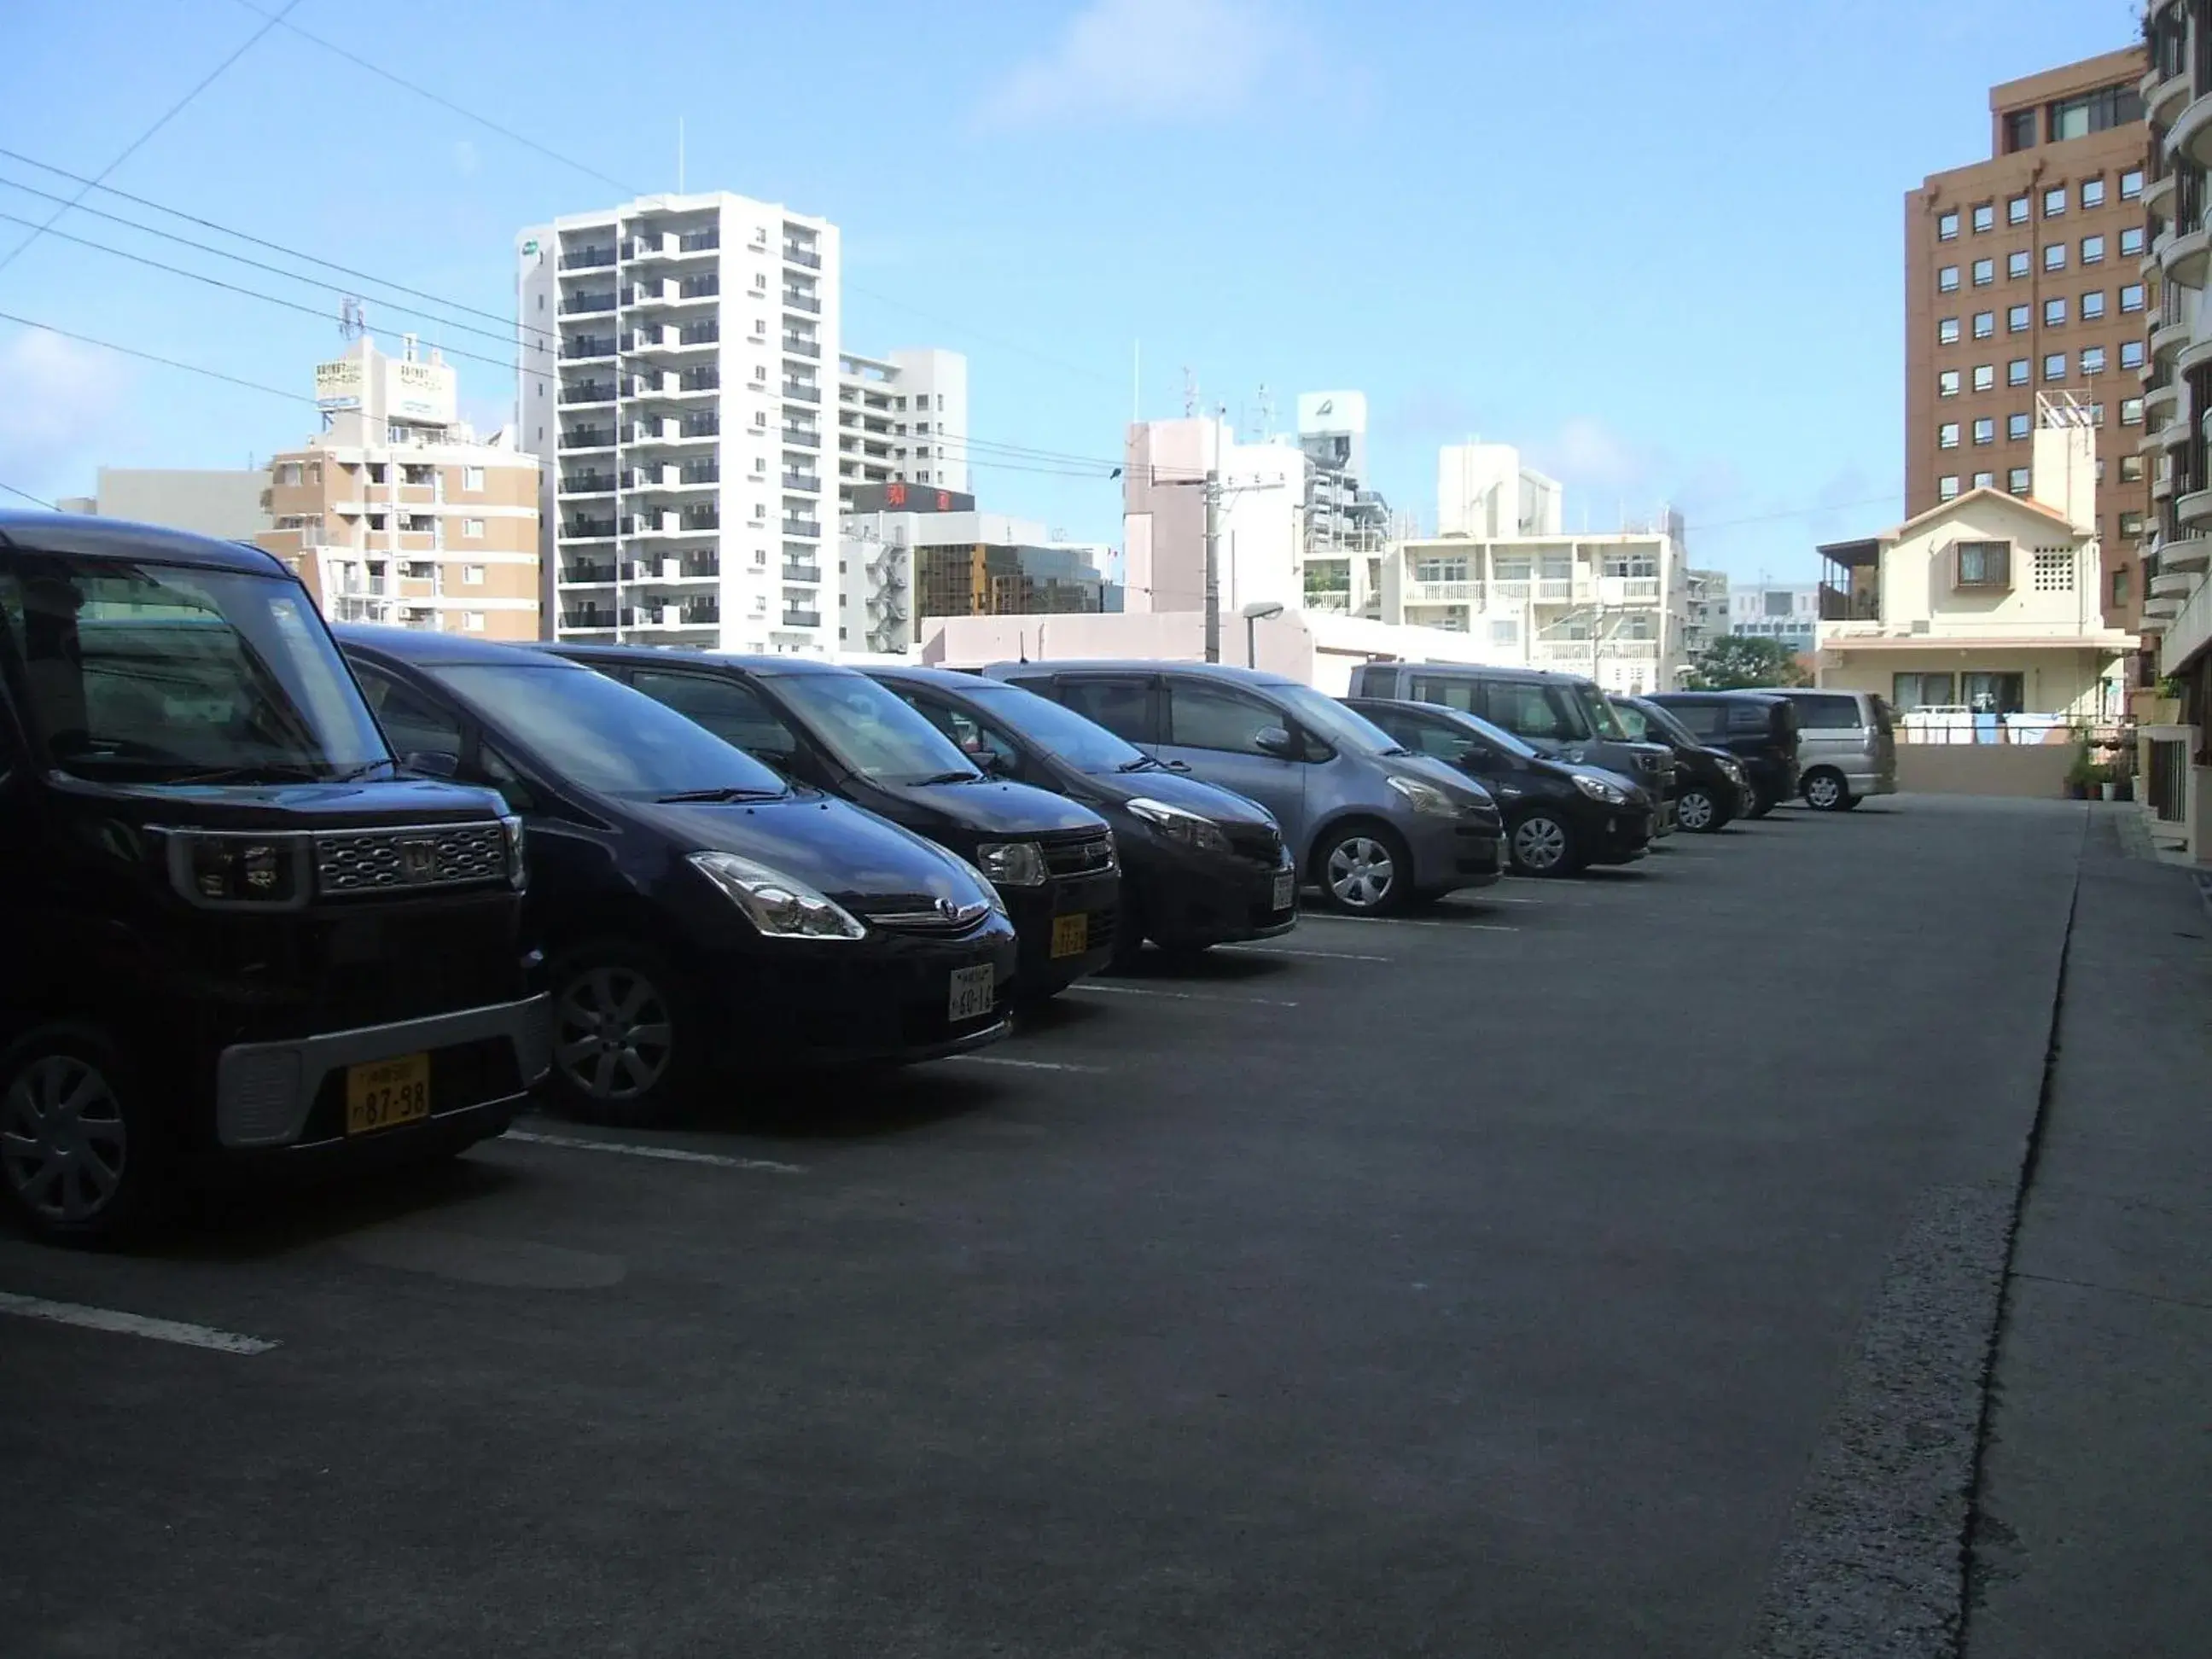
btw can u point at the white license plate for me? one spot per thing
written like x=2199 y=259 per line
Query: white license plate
x=974 y=990
x=1286 y=888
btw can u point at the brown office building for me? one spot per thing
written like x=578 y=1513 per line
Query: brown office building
x=2024 y=275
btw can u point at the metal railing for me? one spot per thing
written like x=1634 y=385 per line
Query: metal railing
x=2166 y=780
x=791 y=301
x=802 y=619
x=579 y=573
x=811 y=482
x=811 y=574
x=793 y=348
x=587 y=484
x=1938 y=726
x=578 y=530
x=586 y=304
x=799 y=256
x=587 y=258
x=804 y=394
x=798 y=440
x=591 y=392
x=595 y=345
x=588 y=437
x=808 y=527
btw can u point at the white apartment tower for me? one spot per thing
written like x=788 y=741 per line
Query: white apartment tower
x=679 y=354
x=903 y=418
x=1483 y=491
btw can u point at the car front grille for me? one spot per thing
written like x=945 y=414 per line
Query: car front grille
x=1086 y=852
x=1260 y=842
x=932 y=923
x=410 y=858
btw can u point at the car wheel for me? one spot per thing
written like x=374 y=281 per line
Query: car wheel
x=1761 y=805
x=1542 y=845
x=1824 y=791
x=81 y=1160
x=1697 y=812
x=1366 y=870
x=621 y=1044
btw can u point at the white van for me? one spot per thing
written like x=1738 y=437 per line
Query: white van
x=1847 y=746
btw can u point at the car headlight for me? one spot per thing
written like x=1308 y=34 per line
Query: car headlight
x=1734 y=769
x=221 y=869
x=1599 y=789
x=991 y=894
x=518 y=866
x=1013 y=863
x=1186 y=827
x=1425 y=797
x=781 y=906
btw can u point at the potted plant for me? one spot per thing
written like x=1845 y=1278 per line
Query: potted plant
x=2081 y=772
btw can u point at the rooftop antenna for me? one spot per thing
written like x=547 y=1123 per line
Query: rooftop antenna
x=1264 y=418
x=1190 y=392
x=352 y=324
x=679 y=155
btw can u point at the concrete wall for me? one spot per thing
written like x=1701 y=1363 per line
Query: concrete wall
x=2056 y=682
x=2034 y=771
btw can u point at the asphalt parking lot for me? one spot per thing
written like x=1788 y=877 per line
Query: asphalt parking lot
x=1486 y=1282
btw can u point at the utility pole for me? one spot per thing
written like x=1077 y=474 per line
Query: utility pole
x=1213 y=565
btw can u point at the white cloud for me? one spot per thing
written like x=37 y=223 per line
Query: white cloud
x=1173 y=61
x=60 y=402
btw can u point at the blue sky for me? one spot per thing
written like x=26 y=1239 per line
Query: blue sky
x=1657 y=244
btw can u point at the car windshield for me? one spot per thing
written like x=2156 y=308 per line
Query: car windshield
x=1495 y=736
x=1600 y=712
x=1662 y=720
x=153 y=673
x=604 y=736
x=870 y=728
x=1085 y=744
x=1327 y=718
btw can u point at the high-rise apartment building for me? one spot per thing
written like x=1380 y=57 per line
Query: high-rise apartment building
x=396 y=514
x=902 y=418
x=2025 y=273
x=680 y=359
x=1347 y=522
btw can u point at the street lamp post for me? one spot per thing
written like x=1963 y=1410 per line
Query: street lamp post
x=1256 y=614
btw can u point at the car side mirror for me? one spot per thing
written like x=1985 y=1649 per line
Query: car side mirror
x=433 y=762
x=1277 y=741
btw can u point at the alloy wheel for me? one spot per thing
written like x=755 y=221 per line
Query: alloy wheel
x=1540 y=844
x=612 y=1036
x=1823 y=792
x=64 y=1143
x=1694 y=811
x=1361 y=872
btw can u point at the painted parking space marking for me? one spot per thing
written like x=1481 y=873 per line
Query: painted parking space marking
x=131 y=1324
x=1397 y=921
x=665 y=1154
x=1180 y=996
x=1020 y=1064
x=1284 y=951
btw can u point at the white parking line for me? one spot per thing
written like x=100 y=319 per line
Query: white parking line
x=131 y=1324
x=1284 y=950
x=666 y=1154
x=1397 y=921
x=1180 y=996
x=1020 y=1064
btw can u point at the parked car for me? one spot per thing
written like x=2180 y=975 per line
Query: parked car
x=1200 y=865
x=1847 y=746
x=698 y=911
x=1759 y=729
x=1563 y=716
x=1711 y=788
x=836 y=730
x=1373 y=825
x=1559 y=818
x=236 y=938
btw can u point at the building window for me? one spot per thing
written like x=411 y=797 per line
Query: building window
x=2093 y=193
x=1504 y=630
x=1947 y=437
x=473 y=529
x=1985 y=217
x=2092 y=250
x=2131 y=469
x=2131 y=185
x=1947 y=486
x=2015 y=427
x=2092 y=360
x=2017 y=264
x=1985 y=481
x=2131 y=297
x=1947 y=383
x=2018 y=372
x=2095 y=111
x=472 y=621
x=2131 y=242
x=1985 y=377
x=2054 y=201
x=1981 y=564
x=2131 y=524
x=2054 y=366
x=1985 y=324
x=1947 y=227
x=1985 y=272
x=2119 y=585
x=1946 y=332
x=2054 y=313
x=1946 y=280
x=2093 y=304
x=2054 y=571
x=2054 y=256
x=2131 y=411
x=2131 y=354
x=2017 y=481
x=2016 y=319
x=1921 y=691
x=1985 y=430
x=2019 y=135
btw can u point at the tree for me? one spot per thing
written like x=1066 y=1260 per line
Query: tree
x=1737 y=660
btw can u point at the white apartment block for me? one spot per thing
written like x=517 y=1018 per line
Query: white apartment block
x=679 y=354
x=902 y=418
x=396 y=514
x=1347 y=524
x=1705 y=613
x=1789 y=613
x=1484 y=491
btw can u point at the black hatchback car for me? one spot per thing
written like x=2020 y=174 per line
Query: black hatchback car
x=1559 y=818
x=1759 y=729
x=837 y=730
x=698 y=910
x=1711 y=788
x=1200 y=865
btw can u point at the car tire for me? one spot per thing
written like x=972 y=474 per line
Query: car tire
x=1761 y=805
x=83 y=1158
x=1365 y=870
x=1542 y=843
x=1824 y=790
x=624 y=1050
x=1698 y=810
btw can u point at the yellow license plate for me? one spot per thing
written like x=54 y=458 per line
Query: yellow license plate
x=1070 y=935
x=386 y=1092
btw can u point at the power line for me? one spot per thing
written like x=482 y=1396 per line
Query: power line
x=36 y=501
x=166 y=116
x=977 y=334
x=1793 y=513
x=152 y=357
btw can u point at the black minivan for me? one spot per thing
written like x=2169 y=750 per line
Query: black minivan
x=237 y=937
x=1559 y=818
x=839 y=731
x=1760 y=729
x=698 y=912
x=1199 y=865
x=1711 y=788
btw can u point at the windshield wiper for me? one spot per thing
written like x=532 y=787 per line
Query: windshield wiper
x=1397 y=748
x=273 y=772
x=727 y=793
x=951 y=777
x=1142 y=763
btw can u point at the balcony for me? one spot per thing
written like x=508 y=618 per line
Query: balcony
x=586 y=346
x=795 y=438
x=583 y=305
x=587 y=530
x=589 y=391
x=587 y=258
x=795 y=255
x=793 y=347
x=1444 y=593
x=2173 y=584
x=2192 y=553
x=580 y=620
x=2164 y=95
x=2161 y=402
x=804 y=394
x=588 y=437
x=808 y=483
x=807 y=529
x=802 y=619
x=2190 y=133
x=589 y=576
x=811 y=574
x=2158 y=197
x=587 y=484
x=804 y=303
